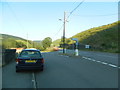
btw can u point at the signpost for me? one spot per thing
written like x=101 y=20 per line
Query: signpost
x=76 y=48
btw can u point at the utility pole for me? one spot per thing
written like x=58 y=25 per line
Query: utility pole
x=64 y=32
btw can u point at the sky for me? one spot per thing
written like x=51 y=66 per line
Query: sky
x=39 y=20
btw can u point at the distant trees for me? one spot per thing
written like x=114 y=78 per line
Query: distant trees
x=46 y=42
x=20 y=44
x=67 y=41
x=38 y=45
x=13 y=43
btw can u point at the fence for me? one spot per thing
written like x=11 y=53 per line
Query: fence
x=8 y=55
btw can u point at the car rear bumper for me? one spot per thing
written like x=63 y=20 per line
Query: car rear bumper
x=21 y=67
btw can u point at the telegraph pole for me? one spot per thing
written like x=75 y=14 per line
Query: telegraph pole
x=64 y=32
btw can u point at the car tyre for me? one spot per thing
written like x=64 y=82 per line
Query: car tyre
x=17 y=70
x=42 y=69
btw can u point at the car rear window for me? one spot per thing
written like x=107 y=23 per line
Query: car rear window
x=30 y=53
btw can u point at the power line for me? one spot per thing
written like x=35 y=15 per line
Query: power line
x=14 y=15
x=70 y=15
x=75 y=9
x=97 y=15
x=58 y=31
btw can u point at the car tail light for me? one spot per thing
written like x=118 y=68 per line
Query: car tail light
x=17 y=60
x=42 y=60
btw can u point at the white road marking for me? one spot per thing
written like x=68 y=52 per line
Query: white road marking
x=89 y=58
x=84 y=57
x=104 y=63
x=112 y=65
x=98 y=61
x=33 y=80
x=93 y=60
x=101 y=62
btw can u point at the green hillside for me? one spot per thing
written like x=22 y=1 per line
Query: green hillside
x=105 y=37
x=6 y=36
x=10 y=41
x=56 y=42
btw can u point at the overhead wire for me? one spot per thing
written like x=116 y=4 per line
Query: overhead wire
x=58 y=31
x=70 y=15
x=15 y=16
x=75 y=9
x=97 y=15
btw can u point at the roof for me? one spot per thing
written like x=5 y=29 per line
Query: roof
x=30 y=49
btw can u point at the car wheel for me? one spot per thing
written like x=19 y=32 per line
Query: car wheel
x=17 y=70
x=42 y=69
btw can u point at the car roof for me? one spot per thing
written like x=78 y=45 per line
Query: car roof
x=30 y=49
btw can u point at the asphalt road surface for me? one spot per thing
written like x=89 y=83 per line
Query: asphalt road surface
x=62 y=72
x=111 y=58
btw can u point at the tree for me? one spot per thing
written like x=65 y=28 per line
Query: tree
x=38 y=45
x=20 y=44
x=46 y=42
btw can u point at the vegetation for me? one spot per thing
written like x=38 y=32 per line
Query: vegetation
x=46 y=42
x=56 y=42
x=6 y=36
x=103 y=38
x=9 y=41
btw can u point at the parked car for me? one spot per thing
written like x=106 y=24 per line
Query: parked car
x=29 y=59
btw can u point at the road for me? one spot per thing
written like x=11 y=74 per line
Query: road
x=62 y=72
x=111 y=58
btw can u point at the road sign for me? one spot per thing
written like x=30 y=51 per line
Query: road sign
x=75 y=39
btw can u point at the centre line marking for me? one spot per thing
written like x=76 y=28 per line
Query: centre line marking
x=33 y=80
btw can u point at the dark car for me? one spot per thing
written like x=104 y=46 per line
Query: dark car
x=29 y=59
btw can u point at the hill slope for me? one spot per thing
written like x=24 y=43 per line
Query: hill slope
x=56 y=42
x=10 y=41
x=104 y=37
x=6 y=36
